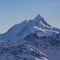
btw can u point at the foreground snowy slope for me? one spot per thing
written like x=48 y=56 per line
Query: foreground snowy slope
x=50 y=46
x=20 y=50
x=32 y=47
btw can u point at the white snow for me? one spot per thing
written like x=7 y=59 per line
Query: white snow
x=44 y=58
x=44 y=30
x=45 y=25
x=38 y=28
x=30 y=48
x=38 y=59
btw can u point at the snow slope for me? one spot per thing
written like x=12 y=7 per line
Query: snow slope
x=48 y=45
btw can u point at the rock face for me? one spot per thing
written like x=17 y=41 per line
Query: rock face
x=31 y=40
x=20 y=50
x=48 y=45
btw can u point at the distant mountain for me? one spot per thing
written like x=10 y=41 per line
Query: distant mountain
x=31 y=40
x=37 y=25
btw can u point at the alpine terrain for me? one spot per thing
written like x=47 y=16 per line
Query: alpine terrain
x=31 y=40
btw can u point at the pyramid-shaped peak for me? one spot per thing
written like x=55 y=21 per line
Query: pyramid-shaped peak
x=38 y=17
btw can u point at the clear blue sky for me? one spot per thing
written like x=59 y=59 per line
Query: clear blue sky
x=15 y=11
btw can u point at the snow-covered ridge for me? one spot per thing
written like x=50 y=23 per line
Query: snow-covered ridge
x=25 y=28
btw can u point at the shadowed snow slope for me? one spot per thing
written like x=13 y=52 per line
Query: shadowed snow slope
x=48 y=45
x=20 y=50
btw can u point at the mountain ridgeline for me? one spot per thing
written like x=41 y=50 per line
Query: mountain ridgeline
x=37 y=25
x=31 y=40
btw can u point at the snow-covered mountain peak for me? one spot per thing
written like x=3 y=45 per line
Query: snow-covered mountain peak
x=31 y=40
x=38 y=17
x=21 y=30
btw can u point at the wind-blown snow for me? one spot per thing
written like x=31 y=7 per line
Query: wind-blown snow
x=38 y=28
x=44 y=24
x=44 y=30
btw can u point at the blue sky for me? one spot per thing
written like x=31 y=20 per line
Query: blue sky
x=15 y=11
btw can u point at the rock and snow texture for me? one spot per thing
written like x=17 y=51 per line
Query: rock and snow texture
x=31 y=40
x=48 y=45
x=21 y=51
